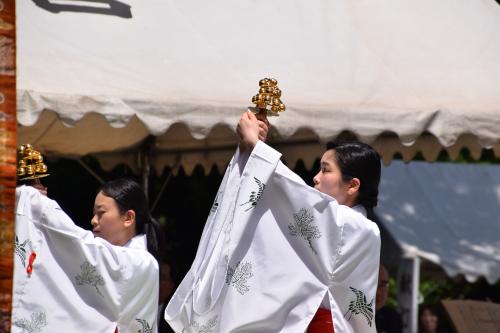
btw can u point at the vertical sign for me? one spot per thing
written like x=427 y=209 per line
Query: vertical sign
x=408 y=282
x=7 y=156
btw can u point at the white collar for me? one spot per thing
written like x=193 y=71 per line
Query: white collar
x=137 y=242
x=360 y=209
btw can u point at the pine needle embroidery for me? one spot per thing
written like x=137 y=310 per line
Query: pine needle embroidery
x=255 y=195
x=145 y=326
x=239 y=275
x=206 y=328
x=360 y=306
x=37 y=322
x=20 y=249
x=89 y=276
x=303 y=227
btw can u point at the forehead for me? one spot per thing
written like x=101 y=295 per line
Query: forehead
x=328 y=157
x=103 y=200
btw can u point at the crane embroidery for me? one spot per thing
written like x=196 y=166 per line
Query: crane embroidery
x=20 y=249
x=360 y=306
x=145 y=326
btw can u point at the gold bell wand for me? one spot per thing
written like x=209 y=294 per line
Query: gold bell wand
x=268 y=100
x=30 y=166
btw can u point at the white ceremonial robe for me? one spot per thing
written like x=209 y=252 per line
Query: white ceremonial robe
x=272 y=250
x=78 y=283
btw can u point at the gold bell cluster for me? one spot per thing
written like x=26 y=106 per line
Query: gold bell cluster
x=269 y=98
x=30 y=163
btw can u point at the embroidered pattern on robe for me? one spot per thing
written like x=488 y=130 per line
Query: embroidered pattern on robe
x=89 y=276
x=360 y=306
x=208 y=327
x=303 y=227
x=215 y=205
x=145 y=328
x=21 y=249
x=255 y=195
x=239 y=275
x=34 y=325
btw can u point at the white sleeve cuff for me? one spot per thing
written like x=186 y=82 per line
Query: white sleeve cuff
x=265 y=152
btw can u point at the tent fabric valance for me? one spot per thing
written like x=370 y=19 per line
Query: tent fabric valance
x=177 y=147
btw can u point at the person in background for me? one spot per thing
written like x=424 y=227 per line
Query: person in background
x=387 y=320
x=167 y=288
x=431 y=321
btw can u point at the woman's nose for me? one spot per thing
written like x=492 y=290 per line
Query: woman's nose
x=316 y=180
x=93 y=221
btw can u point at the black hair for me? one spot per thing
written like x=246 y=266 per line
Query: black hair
x=359 y=160
x=129 y=195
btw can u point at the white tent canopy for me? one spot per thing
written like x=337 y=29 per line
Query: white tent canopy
x=407 y=76
x=446 y=213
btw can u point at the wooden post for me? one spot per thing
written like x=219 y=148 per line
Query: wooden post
x=7 y=156
x=408 y=283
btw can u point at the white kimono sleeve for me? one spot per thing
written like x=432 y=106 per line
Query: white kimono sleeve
x=77 y=283
x=355 y=274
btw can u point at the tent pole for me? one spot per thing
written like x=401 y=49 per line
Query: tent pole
x=165 y=183
x=144 y=161
x=408 y=291
x=89 y=170
x=146 y=170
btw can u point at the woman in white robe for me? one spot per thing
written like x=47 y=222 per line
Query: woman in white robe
x=67 y=279
x=275 y=250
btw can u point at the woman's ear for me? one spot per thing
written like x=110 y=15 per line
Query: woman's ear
x=129 y=218
x=354 y=185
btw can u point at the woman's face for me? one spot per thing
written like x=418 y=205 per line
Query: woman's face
x=329 y=179
x=108 y=222
x=429 y=321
